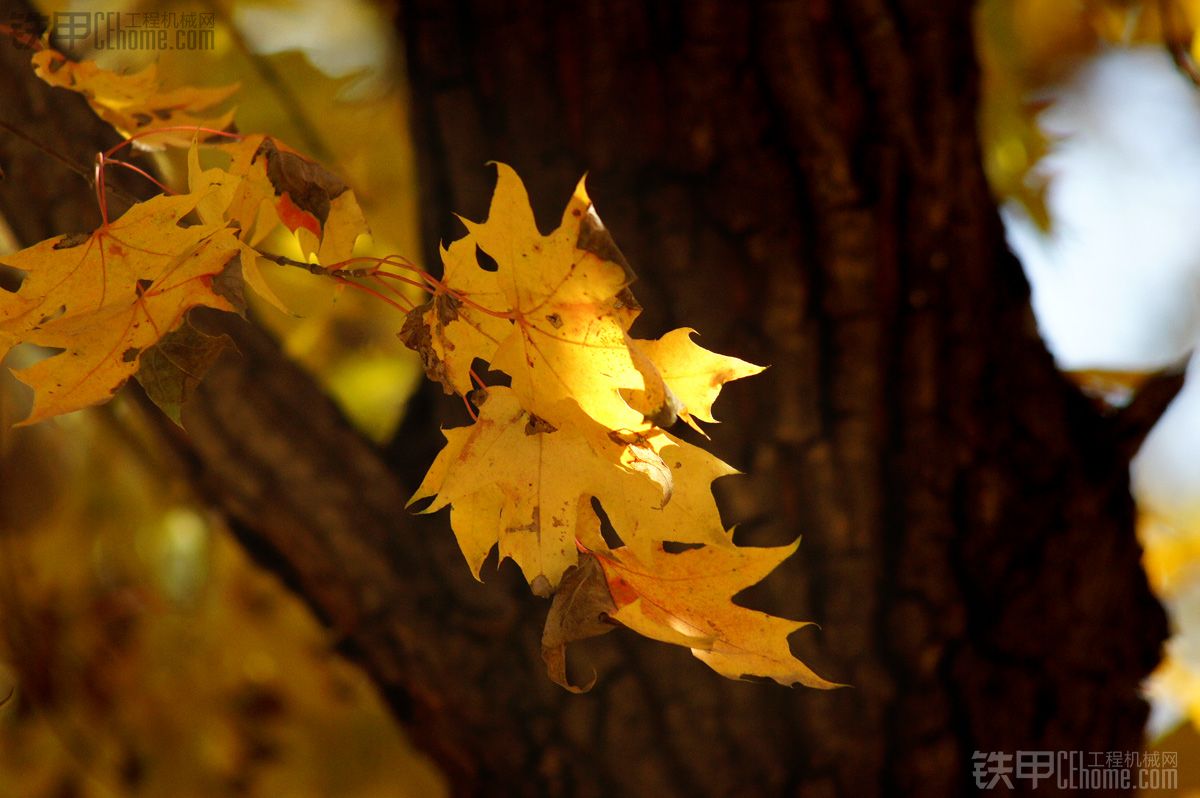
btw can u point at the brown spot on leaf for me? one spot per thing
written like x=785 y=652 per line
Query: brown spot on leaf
x=446 y=307
x=416 y=335
x=71 y=240
x=51 y=316
x=130 y=354
x=721 y=377
x=536 y=426
x=629 y=438
x=555 y=320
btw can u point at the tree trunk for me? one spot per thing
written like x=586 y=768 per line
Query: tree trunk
x=801 y=182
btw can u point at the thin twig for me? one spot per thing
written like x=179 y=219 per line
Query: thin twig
x=315 y=268
x=88 y=174
x=70 y=163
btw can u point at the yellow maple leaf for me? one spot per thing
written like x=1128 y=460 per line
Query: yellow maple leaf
x=135 y=104
x=504 y=477
x=103 y=299
x=514 y=480
x=554 y=314
x=686 y=599
x=569 y=305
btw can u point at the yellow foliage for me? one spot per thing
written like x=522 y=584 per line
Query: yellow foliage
x=106 y=298
x=583 y=422
x=134 y=104
x=545 y=477
x=693 y=374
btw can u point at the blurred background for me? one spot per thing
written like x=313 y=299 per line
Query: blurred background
x=147 y=653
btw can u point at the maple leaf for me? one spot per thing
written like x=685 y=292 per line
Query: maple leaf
x=215 y=190
x=505 y=470
x=265 y=185
x=505 y=480
x=693 y=374
x=135 y=104
x=173 y=368
x=582 y=608
x=104 y=299
x=268 y=184
x=686 y=599
x=566 y=295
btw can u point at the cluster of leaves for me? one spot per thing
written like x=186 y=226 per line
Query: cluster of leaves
x=578 y=432
x=583 y=420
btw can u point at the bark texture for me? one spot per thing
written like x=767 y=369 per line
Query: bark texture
x=801 y=182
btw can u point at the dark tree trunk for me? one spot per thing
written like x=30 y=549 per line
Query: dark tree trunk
x=801 y=182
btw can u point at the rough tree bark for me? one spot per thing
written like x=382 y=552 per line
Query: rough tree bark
x=801 y=182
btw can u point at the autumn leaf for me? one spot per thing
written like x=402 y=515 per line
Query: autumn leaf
x=569 y=305
x=173 y=368
x=236 y=193
x=267 y=184
x=693 y=374
x=686 y=599
x=104 y=299
x=515 y=480
x=582 y=608
x=216 y=190
x=135 y=104
x=312 y=202
x=505 y=477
